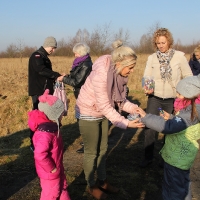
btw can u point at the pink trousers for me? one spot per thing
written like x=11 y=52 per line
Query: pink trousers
x=54 y=189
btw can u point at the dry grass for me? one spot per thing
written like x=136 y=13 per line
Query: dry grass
x=14 y=100
x=16 y=160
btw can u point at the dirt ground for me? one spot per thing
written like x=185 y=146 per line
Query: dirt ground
x=125 y=151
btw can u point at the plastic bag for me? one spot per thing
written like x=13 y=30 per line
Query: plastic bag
x=59 y=91
x=134 y=116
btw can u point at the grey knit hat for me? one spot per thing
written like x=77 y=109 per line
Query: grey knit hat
x=50 y=42
x=51 y=106
x=189 y=87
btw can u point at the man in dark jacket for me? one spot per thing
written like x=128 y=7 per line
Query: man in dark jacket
x=40 y=73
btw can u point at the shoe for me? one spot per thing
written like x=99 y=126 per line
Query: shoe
x=96 y=192
x=81 y=143
x=81 y=150
x=145 y=162
x=107 y=188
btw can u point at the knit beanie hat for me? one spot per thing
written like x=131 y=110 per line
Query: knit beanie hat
x=50 y=42
x=189 y=87
x=51 y=106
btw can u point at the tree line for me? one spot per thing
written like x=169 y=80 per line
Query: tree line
x=99 y=41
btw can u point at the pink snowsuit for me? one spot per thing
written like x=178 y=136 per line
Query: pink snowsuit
x=48 y=155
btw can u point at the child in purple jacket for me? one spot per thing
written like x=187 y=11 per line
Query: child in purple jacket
x=48 y=153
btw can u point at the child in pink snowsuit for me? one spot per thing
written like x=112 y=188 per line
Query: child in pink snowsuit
x=48 y=153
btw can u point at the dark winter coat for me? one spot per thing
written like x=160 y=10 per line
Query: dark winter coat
x=195 y=66
x=40 y=73
x=78 y=75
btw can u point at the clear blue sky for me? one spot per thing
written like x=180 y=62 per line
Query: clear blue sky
x=32 y=21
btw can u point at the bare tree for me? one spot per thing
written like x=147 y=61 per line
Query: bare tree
x=146 y=39
x=20 y=49
x=100 y=39
x=124 y=36
x=11 y=51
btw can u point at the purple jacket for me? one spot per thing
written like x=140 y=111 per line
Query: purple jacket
x=48 y=152
x=93 y=98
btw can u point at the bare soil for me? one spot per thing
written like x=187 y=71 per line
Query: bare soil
x=19 y=180
x=125 y=152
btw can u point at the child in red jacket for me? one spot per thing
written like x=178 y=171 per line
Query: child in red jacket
x=48 y=153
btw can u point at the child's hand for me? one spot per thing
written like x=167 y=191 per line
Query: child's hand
x=165 y=115
x=54 y=170
x=141 y=112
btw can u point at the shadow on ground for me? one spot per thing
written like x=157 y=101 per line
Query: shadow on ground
x=125 y=150
x=17 y=168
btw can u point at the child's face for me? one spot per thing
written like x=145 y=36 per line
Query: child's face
x=197 y=55
x=179 y=96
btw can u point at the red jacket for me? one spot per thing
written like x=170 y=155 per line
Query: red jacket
x=48 y=144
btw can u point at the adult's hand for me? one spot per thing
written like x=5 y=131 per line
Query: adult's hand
x=60 y=78
x=149 y=91
x=135 y=124
x=141 y=112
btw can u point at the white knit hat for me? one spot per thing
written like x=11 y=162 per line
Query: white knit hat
x=189 y=87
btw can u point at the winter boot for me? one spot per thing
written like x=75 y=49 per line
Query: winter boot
x=96 y=192
x=106 y=187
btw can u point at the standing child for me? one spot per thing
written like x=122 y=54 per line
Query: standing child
x=48 y=153
x=194 y=61
x=182 y=132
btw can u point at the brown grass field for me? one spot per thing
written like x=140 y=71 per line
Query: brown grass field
x=18 y=179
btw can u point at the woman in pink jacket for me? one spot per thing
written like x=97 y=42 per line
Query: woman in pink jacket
x=102 y=98
x=48 y=153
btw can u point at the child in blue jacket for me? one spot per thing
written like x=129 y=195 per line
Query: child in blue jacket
x=182 y=132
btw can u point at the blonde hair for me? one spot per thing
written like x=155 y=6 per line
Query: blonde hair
x=162 y=32
x=122 y=54
x=82 y=49
x=197 y=49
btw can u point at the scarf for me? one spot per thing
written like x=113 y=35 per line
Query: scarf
x=116 y=87
x=79 y=60
x=180 y=104
x=164 y=60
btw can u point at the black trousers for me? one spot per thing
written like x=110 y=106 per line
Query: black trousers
x=153 y=104
x=175 y=183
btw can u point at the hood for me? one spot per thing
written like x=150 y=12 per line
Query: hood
x=103 y=61
x=36 y=117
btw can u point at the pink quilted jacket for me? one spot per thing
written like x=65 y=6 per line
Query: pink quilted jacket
x=93 y=98
x=48 y=152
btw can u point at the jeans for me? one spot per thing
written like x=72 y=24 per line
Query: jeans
x=153 y=104
x=176 y=183
x=95 y=139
